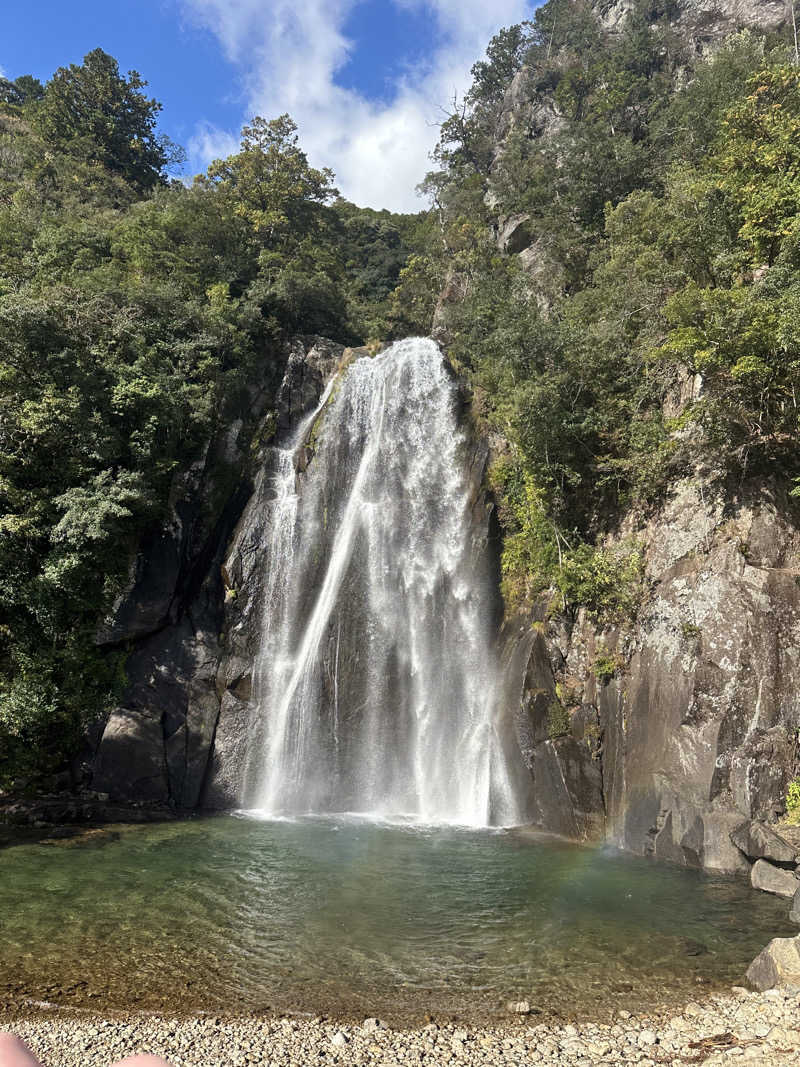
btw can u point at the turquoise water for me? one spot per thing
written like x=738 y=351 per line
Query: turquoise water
x=346 y=917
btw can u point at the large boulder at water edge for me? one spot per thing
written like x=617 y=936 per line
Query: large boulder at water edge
x=760 y=842
x=777 y=964
x=773 y=879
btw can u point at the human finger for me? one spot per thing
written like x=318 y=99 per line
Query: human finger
x=15 y=1053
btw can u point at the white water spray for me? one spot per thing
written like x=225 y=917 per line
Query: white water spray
x=376 y=679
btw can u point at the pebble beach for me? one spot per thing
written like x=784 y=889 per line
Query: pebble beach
x=738 y=1026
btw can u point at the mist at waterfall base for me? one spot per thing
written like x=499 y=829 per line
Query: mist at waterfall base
x=350 y=917
x=376 y=681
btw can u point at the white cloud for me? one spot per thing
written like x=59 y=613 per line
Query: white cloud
x=210 y=142
x=289 y=52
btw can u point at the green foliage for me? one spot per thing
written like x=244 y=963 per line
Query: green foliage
x=558 y=724
x=757 y=160
x=377 y=248
x=24 y=90
x=651 y=323
x=414 y=298
x=609 y=583
x=91 y=111
x=793 y=802
x=538 y=555
x=270 y=183
x=607 y=665
x=135 y=317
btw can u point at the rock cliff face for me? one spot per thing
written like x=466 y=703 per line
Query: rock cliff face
x=697 y=732
x=189 y=657
x=703 y=22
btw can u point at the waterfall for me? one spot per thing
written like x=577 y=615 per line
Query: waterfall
x=376 y=682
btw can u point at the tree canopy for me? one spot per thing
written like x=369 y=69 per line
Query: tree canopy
x=92 y=111
x=135 y=315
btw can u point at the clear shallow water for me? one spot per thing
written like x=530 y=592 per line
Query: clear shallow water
x=349 y=917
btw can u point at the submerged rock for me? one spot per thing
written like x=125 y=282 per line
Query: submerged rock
x=519 y=1007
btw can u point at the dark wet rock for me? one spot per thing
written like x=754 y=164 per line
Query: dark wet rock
x=157 y=746
x=131 y=760
x=568 y=789
x=758 y=841
x=775 y=880
x=695 y=948
x=312 y=361
x=57 y=816
x=229 y=755
x=585 y=724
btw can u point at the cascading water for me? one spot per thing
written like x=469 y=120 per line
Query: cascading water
x=376 y=681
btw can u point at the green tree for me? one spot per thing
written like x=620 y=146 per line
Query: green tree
x=270 y=182
x=757 y=161
x=92 y=111
x=21 y=91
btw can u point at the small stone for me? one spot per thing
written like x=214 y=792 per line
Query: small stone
x=519 y=1007
x=596 y=1049
x=339 y=1039
x=781 y=1035
x=369 y=1026
x=646 y=1038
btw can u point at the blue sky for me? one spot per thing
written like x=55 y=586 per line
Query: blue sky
x=364 y=79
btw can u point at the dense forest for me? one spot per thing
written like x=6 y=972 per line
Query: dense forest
x=659 y=191
x=134 y=310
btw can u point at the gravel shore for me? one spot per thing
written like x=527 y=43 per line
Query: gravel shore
x=739 y=1026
